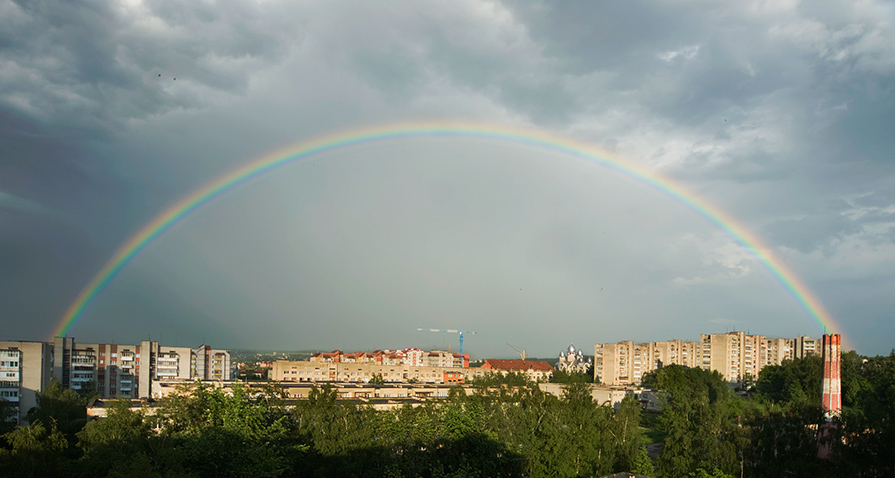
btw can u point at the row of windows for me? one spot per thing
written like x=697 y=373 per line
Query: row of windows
x=9 y=363
x=9 y=393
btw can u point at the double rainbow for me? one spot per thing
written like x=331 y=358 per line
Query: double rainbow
x=536 y=139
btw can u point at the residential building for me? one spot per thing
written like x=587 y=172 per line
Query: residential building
x=537 y=370
x=25 y=370
x=411 y=356
x=625 y=363
x=737 y=356
x=353 y=372
x=128 y=371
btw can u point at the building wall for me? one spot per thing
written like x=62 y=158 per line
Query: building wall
x=306 y=371
x=129 y=370
x=735 y=355
x=806 y=346
x=778 y=350
x=625 y=363
x=28 y=368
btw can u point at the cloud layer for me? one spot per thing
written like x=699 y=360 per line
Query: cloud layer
x=777 y=112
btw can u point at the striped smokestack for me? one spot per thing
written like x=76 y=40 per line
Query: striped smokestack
x=832 y=388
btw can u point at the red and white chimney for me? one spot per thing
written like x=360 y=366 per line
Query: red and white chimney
x=832 y=393
x=832 y=388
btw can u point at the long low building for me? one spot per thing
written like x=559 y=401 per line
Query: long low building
x=316 y=371
x=305 y=371
x=392 y=395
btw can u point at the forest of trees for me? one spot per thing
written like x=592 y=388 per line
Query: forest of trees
x=707 y=430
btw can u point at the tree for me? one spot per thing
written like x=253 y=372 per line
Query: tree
x=119 y=438
x=241 y=432
x=796 y=380
x=8 y=415
x=697 y=417
x=625 y=429
x=62 y=405
x=37 y=450
x=64 y=408
x=497 y=379
x=867 y=430
x=561 y=376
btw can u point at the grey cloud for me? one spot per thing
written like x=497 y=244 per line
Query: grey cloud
x=377 y=240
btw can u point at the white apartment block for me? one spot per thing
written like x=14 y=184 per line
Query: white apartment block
x=735 y=355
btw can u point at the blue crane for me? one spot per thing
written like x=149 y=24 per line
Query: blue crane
x=451 y=331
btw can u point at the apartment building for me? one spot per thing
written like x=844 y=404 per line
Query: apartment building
x=25 y=369
x=443 y=358
x=625 y=363
x=411 y=356
x=735 y=355
x=354 y=372
x=128 y=370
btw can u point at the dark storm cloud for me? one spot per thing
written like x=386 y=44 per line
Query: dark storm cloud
x=777 y=113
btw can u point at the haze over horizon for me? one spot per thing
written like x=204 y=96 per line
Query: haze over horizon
x=778 y=113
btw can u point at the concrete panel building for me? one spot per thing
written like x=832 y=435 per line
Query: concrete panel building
x=737 y=356
x=625 y=363
x=128 y=371
x=25 y=370
x=351 y=372
x=410 y=356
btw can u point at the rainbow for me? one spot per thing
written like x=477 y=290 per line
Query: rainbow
x=545 y=141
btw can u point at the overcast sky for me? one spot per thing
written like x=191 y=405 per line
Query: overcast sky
x=780 y=113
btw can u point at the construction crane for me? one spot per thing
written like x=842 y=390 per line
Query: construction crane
x=521 y=352
x=451 y=331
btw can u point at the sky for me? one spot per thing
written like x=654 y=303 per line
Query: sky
x=779 y=113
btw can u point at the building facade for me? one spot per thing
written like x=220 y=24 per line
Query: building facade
x=737 y=356
x=353 y=372
x=128 y=371
x=625 y=363
x=411 y=356
x=25 y=370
